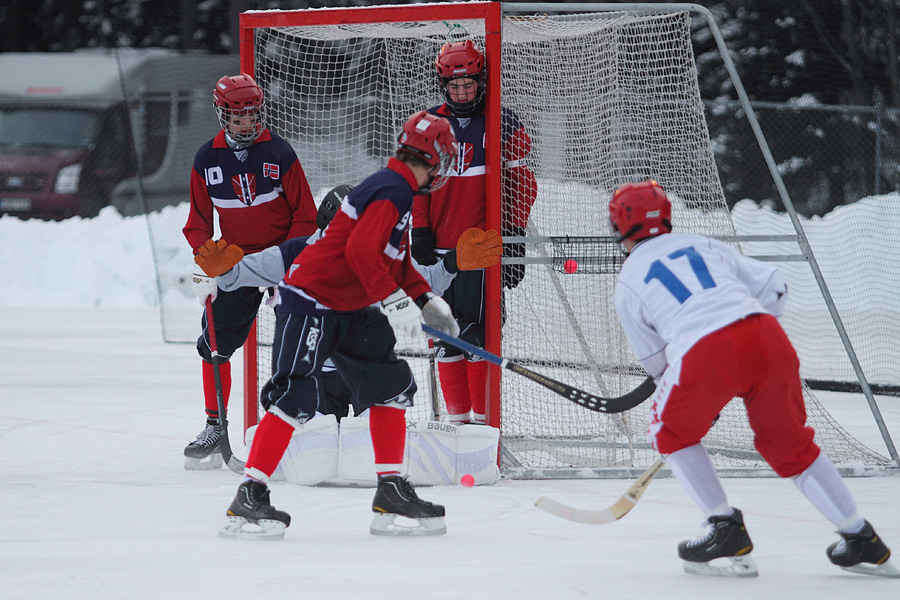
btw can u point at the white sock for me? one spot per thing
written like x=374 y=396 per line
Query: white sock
x=694 y=469
x=823 y=487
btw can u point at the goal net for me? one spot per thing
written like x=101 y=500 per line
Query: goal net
x=606 y=98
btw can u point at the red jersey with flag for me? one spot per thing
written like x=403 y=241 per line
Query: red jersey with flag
x=460 y=203
x=363 y=254
x=260 y=193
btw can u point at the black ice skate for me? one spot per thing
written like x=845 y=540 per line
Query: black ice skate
x=252 y=516
x=727 y=538
x=204 y=452
x=395 y=497
x=862 y=552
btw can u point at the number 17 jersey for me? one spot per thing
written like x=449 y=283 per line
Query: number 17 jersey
x=675 y=289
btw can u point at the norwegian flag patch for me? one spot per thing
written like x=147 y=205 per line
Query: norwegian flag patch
x=270 y=170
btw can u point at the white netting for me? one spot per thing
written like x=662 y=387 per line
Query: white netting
x=606 y=98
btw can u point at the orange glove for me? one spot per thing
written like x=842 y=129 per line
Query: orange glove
x=218 y=257
x=478 y=249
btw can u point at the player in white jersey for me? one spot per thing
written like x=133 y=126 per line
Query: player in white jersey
x=701 y=318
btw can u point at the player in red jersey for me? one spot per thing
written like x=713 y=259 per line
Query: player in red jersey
x=252 y=179
x=325 y=311
x=439 y=219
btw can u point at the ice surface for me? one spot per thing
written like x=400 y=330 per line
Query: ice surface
x=94 y=413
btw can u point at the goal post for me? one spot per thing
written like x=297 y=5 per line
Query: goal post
x=608 y=94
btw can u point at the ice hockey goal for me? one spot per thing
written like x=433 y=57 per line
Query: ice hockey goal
x=607 y=97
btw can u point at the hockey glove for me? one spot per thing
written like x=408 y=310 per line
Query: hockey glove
x=477 y=249
x=203 y=285
x=513 y=274
x=421 y=245
x=449 y=260
x=216 y=258
x=436 y=312
x=402 y=312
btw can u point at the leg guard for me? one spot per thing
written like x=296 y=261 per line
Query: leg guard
x=436 y=453
x=356 y=457
x=441 y=453
x=312 y=454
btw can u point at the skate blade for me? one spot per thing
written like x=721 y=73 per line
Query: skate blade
x=886 y=569
x=738 y=566
x=213 y=461
x=239 y=528
x=386 y=524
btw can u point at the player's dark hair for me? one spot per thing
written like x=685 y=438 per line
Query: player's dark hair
x=411 y=159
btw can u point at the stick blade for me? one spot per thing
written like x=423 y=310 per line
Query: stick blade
x=628 y=401
x=581 y=515
x=619 y=509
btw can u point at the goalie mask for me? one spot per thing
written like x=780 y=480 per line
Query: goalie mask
x=239 y=104
x=430 y=138
x=462 y=63
x=640 y=210
x=331 y=204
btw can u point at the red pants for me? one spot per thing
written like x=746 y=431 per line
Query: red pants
x=751 y=359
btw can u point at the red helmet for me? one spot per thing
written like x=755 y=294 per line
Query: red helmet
x=640 y=210
x=239 y=103
x=431 y=139
x=461 y=59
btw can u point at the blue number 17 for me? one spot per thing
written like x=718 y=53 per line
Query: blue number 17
x=666 y=277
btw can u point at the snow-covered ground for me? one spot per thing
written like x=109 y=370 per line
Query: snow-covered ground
x=95 y=410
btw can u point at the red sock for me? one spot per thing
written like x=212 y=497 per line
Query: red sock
x=209 y=387
x=269 y=443
x=388 y=428
x=477 y=375
x=455 y=387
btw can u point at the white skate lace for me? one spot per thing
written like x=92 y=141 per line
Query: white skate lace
x=705 y=538
x=209 y=436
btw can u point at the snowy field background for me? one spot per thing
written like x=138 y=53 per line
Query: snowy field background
x=95 y=410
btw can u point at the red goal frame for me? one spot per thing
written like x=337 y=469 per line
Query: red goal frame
x=491 y=14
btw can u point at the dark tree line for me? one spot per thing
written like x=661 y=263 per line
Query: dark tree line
x=64 y=25
x=800 y=55
x=824 y=76
x=837 y=51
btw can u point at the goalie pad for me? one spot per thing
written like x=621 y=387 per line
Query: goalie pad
x=356 y=458
x=436 y=453
x=312 y=454
x=440 y=453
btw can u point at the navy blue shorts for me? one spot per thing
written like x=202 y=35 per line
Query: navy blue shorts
x=361 y=347
x=233 y=315
x=466 y=299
